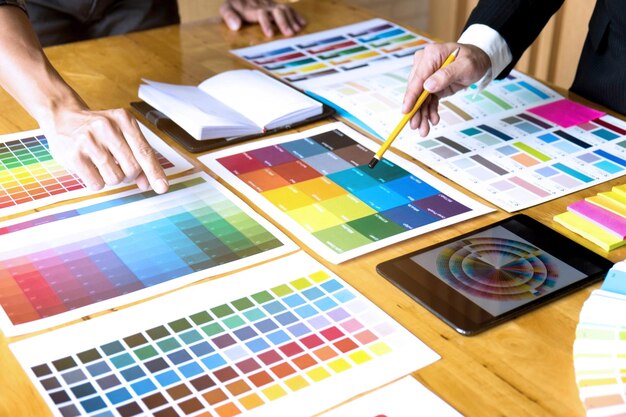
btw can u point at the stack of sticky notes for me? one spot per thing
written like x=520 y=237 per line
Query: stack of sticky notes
x=600 y=347
x=600 y=218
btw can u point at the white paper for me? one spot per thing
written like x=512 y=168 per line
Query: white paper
x=401 y=352
x=80 y=239
x=13 y=180
x=403 y=398
x=306 y=236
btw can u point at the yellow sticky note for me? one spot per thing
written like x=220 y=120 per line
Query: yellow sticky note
x=589 y=230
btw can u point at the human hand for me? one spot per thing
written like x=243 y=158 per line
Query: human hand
x=104 y=147
x=265 y=12
x=469 y=66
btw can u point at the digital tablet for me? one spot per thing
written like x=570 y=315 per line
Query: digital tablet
x=490 y=275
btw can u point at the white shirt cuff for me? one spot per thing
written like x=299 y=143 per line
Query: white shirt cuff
x=494 y=45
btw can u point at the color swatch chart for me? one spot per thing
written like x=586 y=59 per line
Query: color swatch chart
x=600 y=347
x=31 y=178
x=373 y=96
x=523 y=159
x=318 y=185
x=333 y=51
x=123 y=248
x=403 y=398
x=287 y=335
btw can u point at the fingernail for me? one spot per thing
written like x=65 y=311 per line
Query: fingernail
x=160 y=186
x=233 y=24
x=430 y=85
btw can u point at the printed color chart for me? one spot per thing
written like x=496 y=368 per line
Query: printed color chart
x=318 y=185
x=333 y=51
x=521 y=160
x=372 y=98
x=123 y=248
x=599 y=348
x=287 y=335
x=403 y=398
x=30 y=178
x=516 y=143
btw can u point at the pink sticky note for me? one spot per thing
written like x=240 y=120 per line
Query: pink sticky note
x=608 y=220
x=566 y=113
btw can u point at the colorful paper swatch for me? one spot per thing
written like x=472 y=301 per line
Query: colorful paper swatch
x=403 y=398
x=31 y=178
x=334 y=51
x=318 y=185
x=87 y=257
x=600 y=348
x=287 y=335
x=600 y=219
x=566 y=113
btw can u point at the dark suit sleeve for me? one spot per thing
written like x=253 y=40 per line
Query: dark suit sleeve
x=519 y=22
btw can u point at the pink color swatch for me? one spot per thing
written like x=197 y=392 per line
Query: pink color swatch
x=566 y=113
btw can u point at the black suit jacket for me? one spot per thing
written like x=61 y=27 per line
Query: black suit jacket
x=601 y=73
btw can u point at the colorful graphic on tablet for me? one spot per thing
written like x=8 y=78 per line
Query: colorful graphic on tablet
x=318 y=183
x=30 y=177
x=333 y=51
x=266 y=341
x=122 y=245
x=502 y=269
x=498 y=270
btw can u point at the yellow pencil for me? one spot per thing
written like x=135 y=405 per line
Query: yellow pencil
x=408 y=116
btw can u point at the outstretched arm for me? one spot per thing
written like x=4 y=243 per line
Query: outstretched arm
x=102 y=147
x=266 y=13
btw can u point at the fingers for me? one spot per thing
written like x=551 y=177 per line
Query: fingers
x=266 y=13
x=230 y=17
x=106 y=147
x=265 y=22
x=143 y=153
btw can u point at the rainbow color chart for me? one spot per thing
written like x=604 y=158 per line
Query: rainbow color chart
x=318 y=185
x=333 y=51
x=124 y=248
x=403 y=398
x=279 y=337
x=31 y=178
x=600 y=347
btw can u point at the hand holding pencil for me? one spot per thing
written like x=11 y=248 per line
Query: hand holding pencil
x=420 y=101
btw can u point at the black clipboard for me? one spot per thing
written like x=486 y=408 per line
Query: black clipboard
x=166 y=125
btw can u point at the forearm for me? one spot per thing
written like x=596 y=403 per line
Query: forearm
x=27 y=74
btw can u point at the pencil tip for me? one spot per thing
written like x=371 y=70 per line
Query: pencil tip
x=373 y=163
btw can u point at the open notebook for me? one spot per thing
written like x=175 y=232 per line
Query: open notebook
x=233 y=103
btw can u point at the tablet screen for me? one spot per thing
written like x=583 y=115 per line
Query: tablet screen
x=490 y=275
x=497 y=269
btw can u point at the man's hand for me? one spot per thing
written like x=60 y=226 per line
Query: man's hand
x=264 y=12
x=469 y=66
x=104 y=147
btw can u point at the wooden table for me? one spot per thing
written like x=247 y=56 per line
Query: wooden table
x=521 y=368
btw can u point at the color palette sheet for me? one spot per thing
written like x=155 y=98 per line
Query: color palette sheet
x=600 y=347
x=318 y=185
x=403 y=398
x=287 y=335
x=334 y=51
x=87 y=257
x=31 y=178
x=506 y=143
x=518 y=160
x=373 y=97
